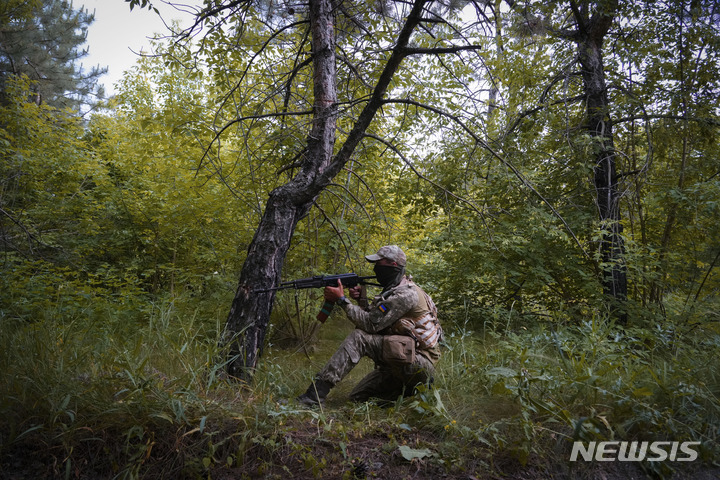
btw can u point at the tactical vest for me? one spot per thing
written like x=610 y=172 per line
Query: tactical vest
x=421 y=322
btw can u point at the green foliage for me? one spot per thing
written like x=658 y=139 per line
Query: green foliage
x=94 y=375
x=172 y=223
x=40 y=291
x=121 y=236
x=46 y=175
x=107 y=200
x=490 y=243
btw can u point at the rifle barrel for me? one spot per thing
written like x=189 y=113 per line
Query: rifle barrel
x=319 y=281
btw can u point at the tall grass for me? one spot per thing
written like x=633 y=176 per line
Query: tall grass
x=98 y=391
x=591 y=381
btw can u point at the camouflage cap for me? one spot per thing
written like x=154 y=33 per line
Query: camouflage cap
x=390 y=252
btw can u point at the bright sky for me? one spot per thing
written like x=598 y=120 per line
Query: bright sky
x=117 y=32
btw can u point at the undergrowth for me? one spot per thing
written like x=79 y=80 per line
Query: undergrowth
x=91 y=393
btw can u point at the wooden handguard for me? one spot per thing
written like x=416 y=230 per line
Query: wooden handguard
x=363 y=300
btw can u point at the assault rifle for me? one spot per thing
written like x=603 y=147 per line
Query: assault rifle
x=348 y=280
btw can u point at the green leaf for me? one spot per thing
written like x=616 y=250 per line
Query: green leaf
x=502 y=372
x=642 y=392
x=411 y=454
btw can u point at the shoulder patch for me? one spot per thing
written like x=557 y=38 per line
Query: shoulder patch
x=382 y=308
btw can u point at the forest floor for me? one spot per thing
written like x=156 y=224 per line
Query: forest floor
x=303 y=449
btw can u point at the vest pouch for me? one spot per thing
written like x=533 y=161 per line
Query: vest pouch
x=398 y=349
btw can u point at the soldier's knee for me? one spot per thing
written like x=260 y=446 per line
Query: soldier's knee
x=358 y=344
x=357 y=336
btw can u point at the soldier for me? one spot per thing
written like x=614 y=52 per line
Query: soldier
x=399 y=331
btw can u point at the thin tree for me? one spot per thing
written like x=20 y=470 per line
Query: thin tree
x=593 y=20
x=249 y=314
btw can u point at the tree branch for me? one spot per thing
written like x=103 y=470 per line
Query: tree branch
x=22 y=227
x=707 y=274
x=703 y=120
x=407 y=162
x=579 y=19
x=376 y=99
x=527 y=113
x=243 y=119
x=503 y=160
x=347 y=190
x=441 y=50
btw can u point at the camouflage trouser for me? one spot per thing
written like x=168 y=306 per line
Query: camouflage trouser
x=387 y=381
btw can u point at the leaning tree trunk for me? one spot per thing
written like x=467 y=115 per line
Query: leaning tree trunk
x=249 y=315
x=250 y=311
x=590 y=35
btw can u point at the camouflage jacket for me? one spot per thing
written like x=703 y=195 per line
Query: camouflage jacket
x=389 y=307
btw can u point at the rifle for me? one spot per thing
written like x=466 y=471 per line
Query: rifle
x=321 y=281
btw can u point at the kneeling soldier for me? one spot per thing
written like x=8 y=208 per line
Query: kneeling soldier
x=399 y=331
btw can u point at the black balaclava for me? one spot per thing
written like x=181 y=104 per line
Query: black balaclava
x=389 y=276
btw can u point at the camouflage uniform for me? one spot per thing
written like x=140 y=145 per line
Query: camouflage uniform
x=388 y=380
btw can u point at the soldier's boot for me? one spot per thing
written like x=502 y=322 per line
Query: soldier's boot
x=316 y=393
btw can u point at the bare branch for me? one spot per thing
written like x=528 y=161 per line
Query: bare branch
x=441 y=50
x=22 y=227
x=250 y=62
x=372 y=194
x=472 y=206
x=702 y=120
x=219 y=133
x=338 y=232
x=352 y=195
x=376 y=99
x=503 y=160
x=522 y=115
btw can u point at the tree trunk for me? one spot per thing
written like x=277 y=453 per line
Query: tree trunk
x=250 y=312
x=249 y=315
x=591 y=32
